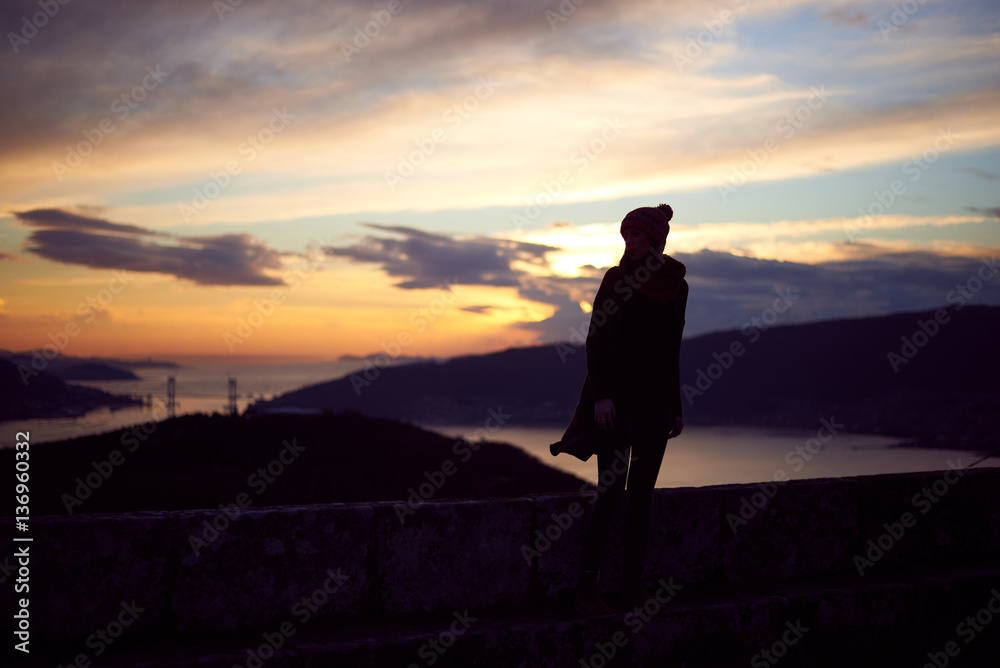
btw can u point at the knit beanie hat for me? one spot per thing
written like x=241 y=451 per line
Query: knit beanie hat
x=654 y=221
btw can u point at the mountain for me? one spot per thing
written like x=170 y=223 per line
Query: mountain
x=26 y=394
x=532 y=384
x=928 y=376
x=73 y=368
x=202 y=461
x=95 y=371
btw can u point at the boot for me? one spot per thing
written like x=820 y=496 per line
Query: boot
x=588 y=601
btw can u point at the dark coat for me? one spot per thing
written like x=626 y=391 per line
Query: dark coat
x=633 y=358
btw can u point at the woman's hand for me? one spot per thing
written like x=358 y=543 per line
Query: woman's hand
x=678 y=427
x=604 y=413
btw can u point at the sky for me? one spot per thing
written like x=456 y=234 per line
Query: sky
x=426 y=178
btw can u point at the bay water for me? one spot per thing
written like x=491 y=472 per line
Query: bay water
x=702 y=455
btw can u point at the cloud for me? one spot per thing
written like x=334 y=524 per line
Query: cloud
x=428 y=260
x=355 y=118
x=221 y=67
x=728 y=290
x=993 y=211
x=225 y=259
x=57 y=218
x=480 y=309
x=847 y=17
x=981 y=173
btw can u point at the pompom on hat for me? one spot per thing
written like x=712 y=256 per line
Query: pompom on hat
x=653 y=220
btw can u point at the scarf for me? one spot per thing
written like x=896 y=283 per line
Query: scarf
x=663 y=275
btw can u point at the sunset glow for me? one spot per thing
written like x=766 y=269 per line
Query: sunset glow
x=316 y=179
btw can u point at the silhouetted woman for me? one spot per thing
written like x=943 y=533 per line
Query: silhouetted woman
x=631 y=398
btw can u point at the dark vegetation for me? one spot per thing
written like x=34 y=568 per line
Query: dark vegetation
x=201 y=461
x=45 y=395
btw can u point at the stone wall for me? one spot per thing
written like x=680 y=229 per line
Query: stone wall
x=205 y=572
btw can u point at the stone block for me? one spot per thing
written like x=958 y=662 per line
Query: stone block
x=790 y=529
x=929 y=517
x=556 y=541
x=452 y=555
x=683 y=634
x=684 y=535
x=93 y=573
x=965 y=523
x=270 y=566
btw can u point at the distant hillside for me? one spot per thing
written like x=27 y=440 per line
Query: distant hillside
x=200 y=461
x=47 y=396
x=96 y=371
x=75 y=368
x=532 y=384
x=945 y=393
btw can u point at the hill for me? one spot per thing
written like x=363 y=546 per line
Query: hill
x=928 y=376
x=67 y=367
x=44 y=396
x=201 y=461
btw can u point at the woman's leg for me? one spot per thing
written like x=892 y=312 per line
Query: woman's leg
x=612 y=466
x=649 y=442
x=612 y=469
